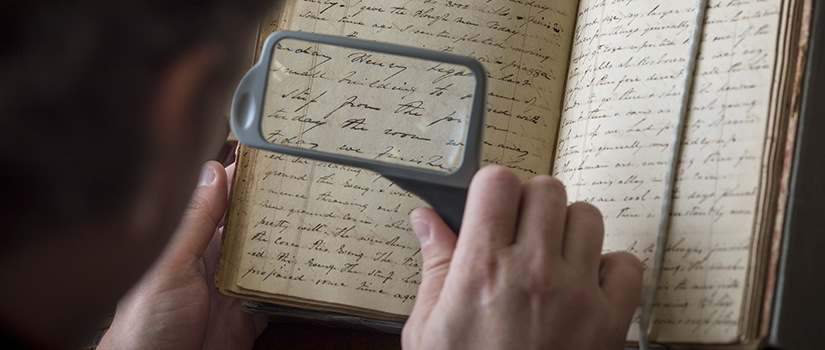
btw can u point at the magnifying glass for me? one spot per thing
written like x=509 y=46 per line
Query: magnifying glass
x=414 y=116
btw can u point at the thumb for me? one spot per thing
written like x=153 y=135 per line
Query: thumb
x=203 y=214
x=437 y=244
x=621 y=282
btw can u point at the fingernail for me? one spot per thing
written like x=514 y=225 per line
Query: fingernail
x=422 y=231
x=208 y=175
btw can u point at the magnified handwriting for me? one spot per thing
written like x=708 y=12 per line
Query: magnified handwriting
x=339 y=94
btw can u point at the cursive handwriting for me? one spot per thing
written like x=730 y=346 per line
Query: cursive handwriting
x=621 y=100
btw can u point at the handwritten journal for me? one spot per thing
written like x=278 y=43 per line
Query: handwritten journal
x=585 y=90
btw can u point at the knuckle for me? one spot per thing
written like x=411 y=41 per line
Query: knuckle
x=634 y=265
x=497 y=174
x=541 y=285
x=482 y=270
x=198 y=205
x=547 y=181
x=586 y=210
x=589 y=218
x=435 y=262
x=481 y=273
x=201 y=208
x=547 y=185
x=628 y=266
x=540 y=279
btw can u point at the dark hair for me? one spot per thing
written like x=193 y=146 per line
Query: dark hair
x=75 y=86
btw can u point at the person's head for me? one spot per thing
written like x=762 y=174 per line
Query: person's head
x=106 y=113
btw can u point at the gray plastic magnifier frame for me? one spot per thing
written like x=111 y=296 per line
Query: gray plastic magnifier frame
x=444 y=191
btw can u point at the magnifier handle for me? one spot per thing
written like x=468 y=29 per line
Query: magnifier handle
x=447 y=201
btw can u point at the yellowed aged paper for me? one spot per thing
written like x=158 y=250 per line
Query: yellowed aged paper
x=323 y=235
x=621 y=103
x=367 y=105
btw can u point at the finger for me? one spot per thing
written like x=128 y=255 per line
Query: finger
x=205 y=210
x=211 y=254
x=543 y=215
x=583 y=238
x=491 y=213
x=227 y=154
x=230 y=173
x=621 y=282
x=437 y=244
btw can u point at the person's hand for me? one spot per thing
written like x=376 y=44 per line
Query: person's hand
x=526 y=272
x=175 y=305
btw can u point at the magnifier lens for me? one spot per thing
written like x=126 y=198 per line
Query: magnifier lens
x=358 y=103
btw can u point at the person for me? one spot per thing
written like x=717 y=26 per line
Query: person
x=109 y=112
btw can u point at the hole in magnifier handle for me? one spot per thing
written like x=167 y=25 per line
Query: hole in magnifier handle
x=244 y=111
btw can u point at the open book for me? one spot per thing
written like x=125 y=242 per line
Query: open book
x=585 y=90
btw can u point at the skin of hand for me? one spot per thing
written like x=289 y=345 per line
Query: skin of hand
x=175 y=305
x=526 y=272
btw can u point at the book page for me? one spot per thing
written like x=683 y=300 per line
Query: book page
x=334 y=237
x=622 y=100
